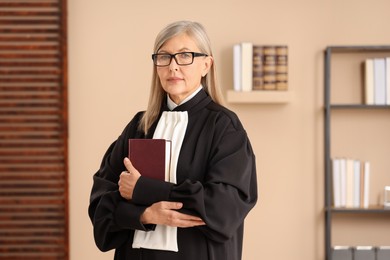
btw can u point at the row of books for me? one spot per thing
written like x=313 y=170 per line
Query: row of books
x=351 y=183
x=377 y=81
x=260 y=67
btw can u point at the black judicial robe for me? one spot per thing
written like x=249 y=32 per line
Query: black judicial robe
x=216 y=180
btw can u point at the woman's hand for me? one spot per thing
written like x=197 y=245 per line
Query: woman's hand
x=128 y=180
x=164 y=213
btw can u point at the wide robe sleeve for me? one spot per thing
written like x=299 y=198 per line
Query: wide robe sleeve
x=227 y=188
x=114 y=218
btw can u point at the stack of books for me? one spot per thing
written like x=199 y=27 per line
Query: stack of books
x=260 y=67
x=351 y=180
x=377 y=81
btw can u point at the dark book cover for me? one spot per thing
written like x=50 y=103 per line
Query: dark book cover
x=151 y=157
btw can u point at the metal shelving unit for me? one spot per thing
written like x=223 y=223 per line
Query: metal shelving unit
x=328 y=108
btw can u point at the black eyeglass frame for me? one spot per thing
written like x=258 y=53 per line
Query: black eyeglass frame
x=194 y=54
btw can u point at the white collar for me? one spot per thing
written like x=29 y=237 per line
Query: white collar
x=172 y=105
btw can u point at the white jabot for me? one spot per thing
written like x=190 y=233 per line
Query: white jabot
x=171 y=126
x=172 y=105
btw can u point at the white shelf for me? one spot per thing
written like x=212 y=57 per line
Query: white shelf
x=259 y=97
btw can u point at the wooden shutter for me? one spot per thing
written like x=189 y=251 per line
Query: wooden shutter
x=33 y=130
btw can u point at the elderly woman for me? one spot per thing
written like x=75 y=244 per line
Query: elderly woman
x=198 y=213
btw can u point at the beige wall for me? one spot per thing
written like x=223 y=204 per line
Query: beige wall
x=110 y=43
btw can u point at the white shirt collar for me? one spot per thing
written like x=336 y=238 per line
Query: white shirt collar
x=172 y=105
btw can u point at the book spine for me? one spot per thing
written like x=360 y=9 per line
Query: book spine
x=366 y=185
x=281 y=67
x=336 y=175
x=350 y=183
x=258 y=63
x=246 y=66
x=361 y=195
x=388 y=81
x=379 y=81
x=237 y=67
x=356 y=183
x=269 y=67
x=343 y=182
x=369 y=82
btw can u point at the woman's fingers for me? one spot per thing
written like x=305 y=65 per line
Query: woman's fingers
x=125 y=188
x=166 y=213
x=128 y=180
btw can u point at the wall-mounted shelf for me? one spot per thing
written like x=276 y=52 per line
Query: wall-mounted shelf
x=259 y=97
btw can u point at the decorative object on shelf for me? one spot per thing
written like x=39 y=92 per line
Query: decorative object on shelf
x=260 y=67
x=364 y=253
x=342 y=253
x=383 y=253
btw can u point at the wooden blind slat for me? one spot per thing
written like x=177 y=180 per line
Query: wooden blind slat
x=29 y=38
x=28 y=47
x=13 y=64
x=29 y=5
x=19 y=72
x=29 y=56
x=38 y=31
x=27 y=13
x=29 y=22
x=28 y=88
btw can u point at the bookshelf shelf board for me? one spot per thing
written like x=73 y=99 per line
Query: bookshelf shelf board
x=358 y=106
x=357 y=48
x=371 y=209
x=259 y=97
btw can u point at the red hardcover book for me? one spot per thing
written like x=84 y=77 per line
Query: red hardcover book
x=151 y=157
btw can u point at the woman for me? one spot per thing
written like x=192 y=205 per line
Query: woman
x=199 y=212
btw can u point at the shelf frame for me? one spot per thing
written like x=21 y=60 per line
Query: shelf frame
x=327 y=147
x=371 y=209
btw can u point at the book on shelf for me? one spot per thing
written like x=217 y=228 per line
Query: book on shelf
x=343 y=183
x=237 y=67
x=387 y=80
x=366 y=184
x=258 y=63
x=246 y=66
x=350 y=183
x=151 y=157
x=281 y=67
x=260 y=67
x=336 y=182
x=269 y=67
x=356 y=183
x=377 y=81
x=369 y=82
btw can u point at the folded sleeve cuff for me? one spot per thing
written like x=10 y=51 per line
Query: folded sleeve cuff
x=128 y=215
x=148 y=191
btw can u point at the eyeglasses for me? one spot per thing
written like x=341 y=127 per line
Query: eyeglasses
x=181 y=58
